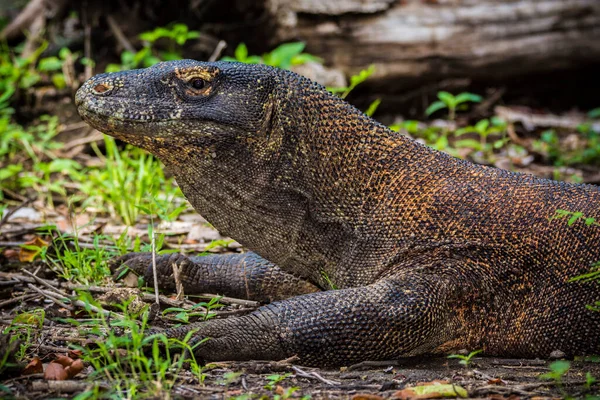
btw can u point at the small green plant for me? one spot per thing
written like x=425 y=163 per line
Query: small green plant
x=573 y=217
x=175 y=36
x=594 y=273
x=283 y=56
x=123 y=361
x=54 y=66
x=558 y=369
x=373 y=107
x=483 y=129
x=329 y=282
x=183 y=315
x=452 y=103
x=274 y=379
x=21 y=331
x=230 y=377
x=355 y=80
x=589 y=380
x=587 y=150
x=465 y=359
x=434 y=136
x=82 y=264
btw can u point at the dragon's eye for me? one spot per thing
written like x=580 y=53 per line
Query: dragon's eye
x=198 y=83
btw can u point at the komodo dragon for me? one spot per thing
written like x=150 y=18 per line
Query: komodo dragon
x=370 y=245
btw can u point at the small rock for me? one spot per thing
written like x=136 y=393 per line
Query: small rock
x=557 y=354
x=27 y=213
x=201 y=233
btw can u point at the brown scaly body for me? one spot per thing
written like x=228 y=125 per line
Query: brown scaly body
x=429 y=253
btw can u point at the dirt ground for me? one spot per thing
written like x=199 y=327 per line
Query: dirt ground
x=492 y=378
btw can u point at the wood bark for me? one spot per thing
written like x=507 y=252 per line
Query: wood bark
x=410 y=42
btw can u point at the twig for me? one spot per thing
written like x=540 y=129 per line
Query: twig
x=65 y=386
x=47 y=284
x=18 y=298
x=531 y=121
x=218 y=50
x=484 y=106
x=314 y=375
x=35 y=32
x=12 y=282
x=18 y=244
x=118 y=33
x=178 y=283
x=54 y=349
x=106 y=313
x=289 y=360
x=95 y=136
x=52 y=297
x=486 y=376
x=154 y=272
x=87 y=44
x=372 y=364
x=145 y=296
x=26 y=279
x=32 y=10
x=228 y=300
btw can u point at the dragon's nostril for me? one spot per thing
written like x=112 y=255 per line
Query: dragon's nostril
x=101 y=88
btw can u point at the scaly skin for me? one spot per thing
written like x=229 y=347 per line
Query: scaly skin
x=430 y=253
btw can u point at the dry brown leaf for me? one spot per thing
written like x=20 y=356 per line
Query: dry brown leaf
x=366 y=396
x=35 y=366
x=279 y=390
x=11 y=254
x=410 y=394
x=75 y=368
x=26 y=255
x=75 y=354
x=63 y=360
x=55 y=372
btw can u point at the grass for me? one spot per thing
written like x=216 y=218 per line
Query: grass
x=465 y=359
x=135 y=365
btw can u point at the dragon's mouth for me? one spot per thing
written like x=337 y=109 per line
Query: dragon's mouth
x=123 y=124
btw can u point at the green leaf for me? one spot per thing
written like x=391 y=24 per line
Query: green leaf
x=435 y=106
x=468 y=143
x=574 y=217
x=282 y=55
x=595 y=113
x=373 y=107
x=58 y=80
x=466 y=96
x=10 y=171
x=50 y=64
x=466 y=129
x=113 y=68
x=447 y=98
x=64 y=53
x=303 y=58
x=482 y=126
x=241 y=52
